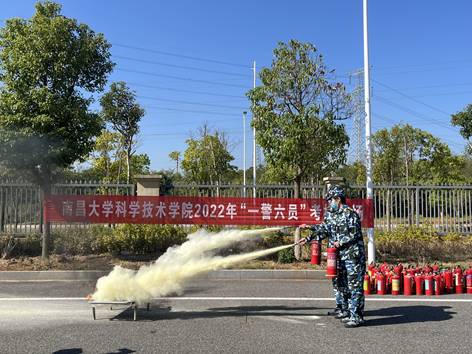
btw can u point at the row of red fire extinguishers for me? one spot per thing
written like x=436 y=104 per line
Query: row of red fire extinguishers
x=395 y=280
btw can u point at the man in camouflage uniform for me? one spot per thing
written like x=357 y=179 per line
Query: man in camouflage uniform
x=342 y=227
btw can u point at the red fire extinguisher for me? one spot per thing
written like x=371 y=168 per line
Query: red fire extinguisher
x=448 y=281
x=316 y=252
x=373 y=279
x=369 y=268
x=419 y=284
x=395 y=284
x=332 y=262
x=438 y=284
x=398 y=269
x=380 y=284
x=367 y=284
x=427 y=269
x=384 y=267
x=428 y=285
x=469 y=280
x=459 y=280
x=408 y=283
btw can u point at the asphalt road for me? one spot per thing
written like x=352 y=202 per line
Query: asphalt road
x=221 y=316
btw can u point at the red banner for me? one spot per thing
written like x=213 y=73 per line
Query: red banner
x=104 y=209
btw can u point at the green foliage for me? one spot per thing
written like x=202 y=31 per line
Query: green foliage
x=120 y=109
x=286 y=256
x=207 y=159
x=47 y=65
x=422 y=244
x=81 y=241
x=29 y=246
x=464 y=120
x=354 y=174
x=295 y=110
x=143 y=239
x=175 y=156
x=410 y=155
x=108 y=161
x=99 y=239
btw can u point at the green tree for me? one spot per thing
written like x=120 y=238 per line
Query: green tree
x=404 y=154
x=207 y=158
x=120 y=109
x=464 y=120
x=436 y=163
x=106 y=152
x=109 y=159
x=50 y=66
x=175 y=156
x=355 y=174
x=296 y=110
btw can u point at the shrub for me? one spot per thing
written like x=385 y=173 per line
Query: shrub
x=143 y=239
x=80 y=241
x=422 y=245
x=20 y=246
x=286 y=255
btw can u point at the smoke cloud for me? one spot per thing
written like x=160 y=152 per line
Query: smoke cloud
x=169 y=272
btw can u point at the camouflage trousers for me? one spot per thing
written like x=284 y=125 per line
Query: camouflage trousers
x=340 y=289
x=349 y=282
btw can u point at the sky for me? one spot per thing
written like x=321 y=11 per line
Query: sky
x=190 y=62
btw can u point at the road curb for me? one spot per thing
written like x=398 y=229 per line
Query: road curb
x=93 y=275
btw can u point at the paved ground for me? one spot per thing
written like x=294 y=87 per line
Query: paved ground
x=222 y=316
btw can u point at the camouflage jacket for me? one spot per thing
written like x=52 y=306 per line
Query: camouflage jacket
x=343 y=226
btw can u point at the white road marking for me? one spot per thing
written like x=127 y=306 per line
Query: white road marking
x=248 y=298
x=386 y=299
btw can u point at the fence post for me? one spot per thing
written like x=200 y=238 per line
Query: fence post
x=417 y=206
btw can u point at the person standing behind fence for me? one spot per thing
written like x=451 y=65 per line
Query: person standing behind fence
x=342 y=227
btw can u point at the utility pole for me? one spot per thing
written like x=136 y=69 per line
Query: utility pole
x=244 y=154
x=368 y=142
x=254 y=162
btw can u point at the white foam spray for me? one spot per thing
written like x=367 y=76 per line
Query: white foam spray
x=180 y=263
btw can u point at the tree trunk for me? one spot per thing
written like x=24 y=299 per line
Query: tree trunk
x=297 y=187
x=46 y=241
x=128 y=167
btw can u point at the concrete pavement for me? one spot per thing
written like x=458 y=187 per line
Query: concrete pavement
x=228 y=316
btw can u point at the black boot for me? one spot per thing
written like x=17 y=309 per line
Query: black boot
x=334 y=311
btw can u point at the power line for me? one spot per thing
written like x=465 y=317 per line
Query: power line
x=185 y=91
x=183 y=134
x=181 y=78
x=385 y=118
x=412 y=98
x=186 y=123
x=416 y=71
x=161 y=52
x=432 y=86
x=414 y=113
x=181 y=66
x=422 y=65
x=444 y=94
x=192 y=111
x=192 y=103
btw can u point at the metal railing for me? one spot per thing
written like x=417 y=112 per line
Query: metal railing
x=21 y=210
x=442 y=208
